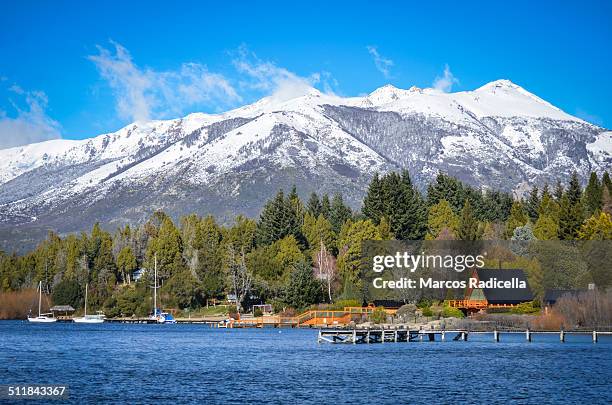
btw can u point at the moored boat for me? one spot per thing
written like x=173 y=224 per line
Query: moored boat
x=98 y=318
x=41 y=318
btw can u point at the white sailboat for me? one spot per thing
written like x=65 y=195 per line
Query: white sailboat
x=41 y=318
x=158 y=315
x=98 y=318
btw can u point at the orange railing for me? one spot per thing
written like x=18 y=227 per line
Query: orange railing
x=468 y=304
x=314 y=317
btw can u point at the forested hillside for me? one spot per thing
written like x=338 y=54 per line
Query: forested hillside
x=297 y=253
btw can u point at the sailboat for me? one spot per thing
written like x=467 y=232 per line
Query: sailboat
x=41 y=318
x=158 y=315
x=98 y=318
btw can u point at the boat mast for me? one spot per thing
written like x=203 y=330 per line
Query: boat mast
x=155 y=288
x=85 y=299
x=39 y=296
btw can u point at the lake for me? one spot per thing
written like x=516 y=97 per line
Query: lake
x=194 y=363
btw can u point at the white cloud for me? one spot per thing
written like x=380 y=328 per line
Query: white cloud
x=30 y=124
x=143 y=93
x=279 y=82
x=382 y=64
x=445 y=82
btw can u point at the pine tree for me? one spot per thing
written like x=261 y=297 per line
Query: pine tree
x=296 y=205
x=374 y=201
x=313 y=207
x=325 y=206
x=533 y=204
x=570 y=218
x=574 y=191
x=446 y=188
x=593 y=193
x=468 y=225
x=518 y=217
x=339 y=213
x=278 y=219
x=559 y=191
x=606 y=199
x=546 y=228
x=302 y=288
x=606 y=181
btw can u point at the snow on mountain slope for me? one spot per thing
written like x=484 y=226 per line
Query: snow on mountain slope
x=18 y=160
x=498 y=136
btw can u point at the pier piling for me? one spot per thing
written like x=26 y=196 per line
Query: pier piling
x=562 y=336
x=594 y=337
x=528 y=335
x=496 y=335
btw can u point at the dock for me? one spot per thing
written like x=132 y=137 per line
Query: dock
x=398 y=335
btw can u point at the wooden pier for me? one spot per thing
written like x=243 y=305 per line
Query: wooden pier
x=397 y=335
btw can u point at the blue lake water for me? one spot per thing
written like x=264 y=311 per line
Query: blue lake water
x=194 y=363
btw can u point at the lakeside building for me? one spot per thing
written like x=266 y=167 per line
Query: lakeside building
x=477 y=299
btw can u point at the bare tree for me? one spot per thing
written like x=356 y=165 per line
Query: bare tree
x=240 y=277
x=326 y=266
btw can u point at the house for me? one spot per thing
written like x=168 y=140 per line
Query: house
x=494 y=288
x=137 y=275
x=552 y=296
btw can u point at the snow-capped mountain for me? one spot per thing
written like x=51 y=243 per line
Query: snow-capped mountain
x=498 y=136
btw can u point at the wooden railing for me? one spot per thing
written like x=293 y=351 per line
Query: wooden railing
x=309 y=318
x=468 y=304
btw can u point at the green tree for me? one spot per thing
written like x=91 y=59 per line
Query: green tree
x=532 y=205
x=67 y=292
x=374 y=201
x=168 y=246
x=606 y=200
x=593 y=194
x=126 y=263
x=303 y=289
x=183 y=290
x=546 y=228
x=313 y=207
x=441 y=216
x=597 y=227
x=469 y=228
x=559 y=191
x=279 y=219
x=317 y=230
x=339 y=213
x=349 y=246
x=571 y=217
x=574 y=191
x=518 y=217
x=325 y=206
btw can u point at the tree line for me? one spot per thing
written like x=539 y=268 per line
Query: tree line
x=296 y=253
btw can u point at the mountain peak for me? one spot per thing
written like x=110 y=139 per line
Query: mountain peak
x=386 y=94
x=499 y=84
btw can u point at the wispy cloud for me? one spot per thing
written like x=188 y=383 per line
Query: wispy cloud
x=445 y=82
x=382 y=64
x=280 y=83
x=143 y=93
x=30 y=122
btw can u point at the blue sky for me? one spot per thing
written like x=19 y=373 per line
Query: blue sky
x=78 y=69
